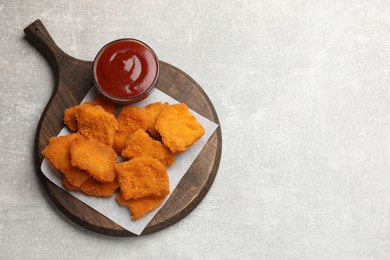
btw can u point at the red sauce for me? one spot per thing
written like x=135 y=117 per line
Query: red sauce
x=125 y=69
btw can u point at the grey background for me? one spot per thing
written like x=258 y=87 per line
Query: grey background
x=302 y=92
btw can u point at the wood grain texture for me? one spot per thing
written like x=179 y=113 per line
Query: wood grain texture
x=73 y=79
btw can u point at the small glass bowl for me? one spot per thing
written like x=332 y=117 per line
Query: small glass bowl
x=145 y=90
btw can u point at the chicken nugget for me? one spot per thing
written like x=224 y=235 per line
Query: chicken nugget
x=68 y=185
x=57 y=152
x=70 y=113
x=139 y=207
x=101 y=189
x=142 y=177
x=91 y=121
x=130 y=119
x=140 y=144
x=155 y=110
x=93 y=187
x=96 y=158
x=178 y=128
x=105 y=103
x=95 y=123
x=70 y=119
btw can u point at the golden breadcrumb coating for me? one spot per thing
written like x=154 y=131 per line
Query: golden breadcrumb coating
x=140 y=144
x=155 y=110
x=142 y=177
x=93 y=187
x=96 y=158
x=70 y=119
x=68 y=185
x=130 y=119
x=95 y=123
x=105 y=103
x=57 y=153
x=178 y=128
x=139 y=207
x=70 y=113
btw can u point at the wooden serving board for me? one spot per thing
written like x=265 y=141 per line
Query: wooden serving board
x=73 y=79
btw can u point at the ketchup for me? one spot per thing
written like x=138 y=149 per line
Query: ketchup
x=125 y=69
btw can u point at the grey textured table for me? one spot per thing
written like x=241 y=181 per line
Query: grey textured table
x=302 y=92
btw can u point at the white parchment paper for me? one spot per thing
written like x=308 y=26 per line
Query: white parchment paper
x=108 y=206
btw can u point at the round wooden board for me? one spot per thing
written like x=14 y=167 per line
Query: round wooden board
x=73 y=81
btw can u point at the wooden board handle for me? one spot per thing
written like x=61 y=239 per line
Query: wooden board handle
x=38 y=35
x=73 y=79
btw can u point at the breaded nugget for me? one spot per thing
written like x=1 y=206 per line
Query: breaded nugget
x=101 y=189
x=57 y=152
x=70 y=113
x=95 y=123
x=140 y=144
x=93 y=187
x=91 y=121
x=178 y=128
x=105 y=103
x=68 y=185
x=142 y=177
x=139 y=207
x=96 y=158
x=70 y=119
x=155 y=110
x=130 y=119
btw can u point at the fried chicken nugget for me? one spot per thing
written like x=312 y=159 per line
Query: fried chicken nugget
x=142 y=177
x=96 y=158
x=155 y=110
x=95 y=123
x=130 y=119
x=70 y=119
x=178 y=128
x=140 y=144
x=105 y=103
x=57 y=152
x=139 y=207
x=68 y=185
x=70 y=113
x=93 y=187
x=92 y=121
